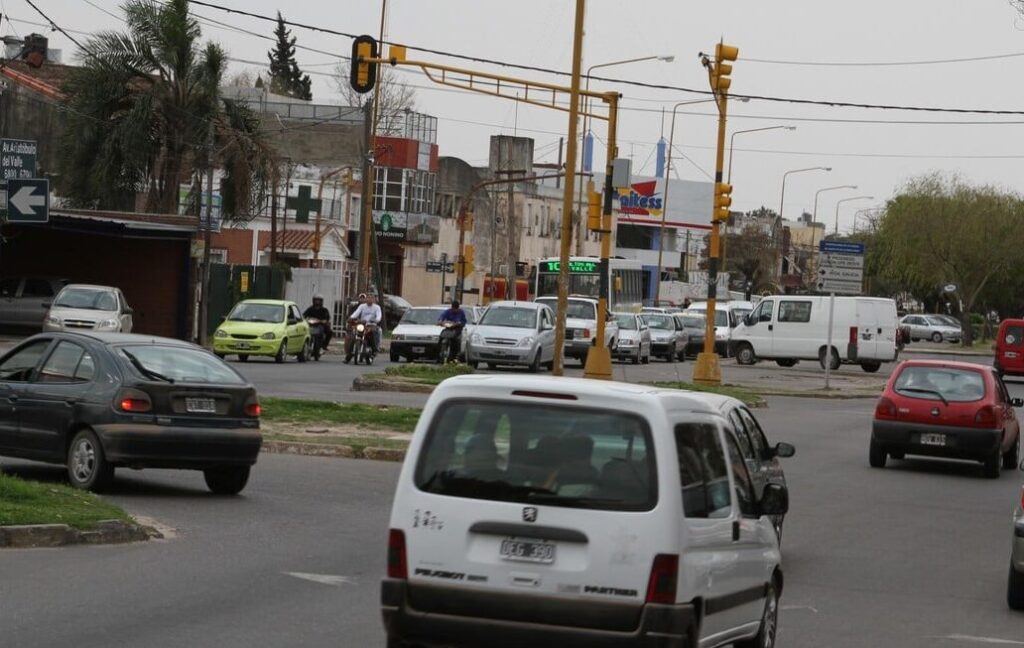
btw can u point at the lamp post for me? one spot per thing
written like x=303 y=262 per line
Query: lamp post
x=814 y=219
x=840 y=202
x=586 y=128
x=732 y=140
x=782 y=203
x=664 y=202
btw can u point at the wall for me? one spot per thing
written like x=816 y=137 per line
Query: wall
x=25 y=115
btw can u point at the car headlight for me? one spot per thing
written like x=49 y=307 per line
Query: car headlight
x=221 y=333
x=627 y=343
x=476 y=338
x=269 y=335
x=53 y=320
x=526 y=341
x=108 y=324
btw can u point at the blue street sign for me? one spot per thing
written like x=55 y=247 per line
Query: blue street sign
x=28 y=201
x=840 y=247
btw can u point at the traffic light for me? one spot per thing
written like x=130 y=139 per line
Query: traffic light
x=720 y=80
x=363 y=75
x=723 y=200
x=594 y=210
x=468 y=255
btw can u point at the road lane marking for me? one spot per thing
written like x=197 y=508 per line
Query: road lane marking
x=324 y=579
x=981 y=640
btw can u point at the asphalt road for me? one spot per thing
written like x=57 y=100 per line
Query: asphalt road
x=911 y=556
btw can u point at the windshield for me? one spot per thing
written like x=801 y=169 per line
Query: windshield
x=181 y=364
x=539 y=454
x=87 y=298
x=740 y=313
x=510 y=316
x=626 y=322
x=721 y=317
x=662 y=322
x=928 y=383
x=691 y=321
x=421 y=316
x=249 y=312
x=575 y=308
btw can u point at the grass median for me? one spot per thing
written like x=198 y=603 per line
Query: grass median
x=426 y=374
x=380 y=417
x=30 y=502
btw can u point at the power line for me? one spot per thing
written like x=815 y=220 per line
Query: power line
x=656 y=86
x=967 y=59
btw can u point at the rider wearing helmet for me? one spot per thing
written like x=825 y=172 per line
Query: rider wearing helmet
x=320 y=312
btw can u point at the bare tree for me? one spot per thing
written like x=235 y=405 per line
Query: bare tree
x=242 y=79
x=396 y=97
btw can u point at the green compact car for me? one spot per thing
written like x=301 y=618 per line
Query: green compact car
x=263 y=327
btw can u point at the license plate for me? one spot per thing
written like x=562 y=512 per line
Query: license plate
x=528 y=551
x=933 y=439
x=242 y=345
x=418 y=349
x=200 y=405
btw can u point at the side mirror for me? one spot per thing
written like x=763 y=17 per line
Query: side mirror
x=546 y=326
x=292 y=321
x=749 y=320
x=1017 y=402
x=783 y=450
x=774 y=500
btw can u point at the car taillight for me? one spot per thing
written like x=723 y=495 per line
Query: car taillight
x=661 y=588
x=986 y=417
x=853 y=335
x=397 y=567
x=252 y=407
x=586 y=332
x=134 y=401
x=885 y=409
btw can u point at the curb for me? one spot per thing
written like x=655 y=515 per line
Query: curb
x=332 y=450
x=376 y=384
x=59 y=535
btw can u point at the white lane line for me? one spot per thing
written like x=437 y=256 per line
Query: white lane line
x=324 y=579
x=800 y=607
x=981 y=640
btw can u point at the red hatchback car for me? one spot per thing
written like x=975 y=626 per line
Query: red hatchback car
x=1010 y=348
x=955 y=410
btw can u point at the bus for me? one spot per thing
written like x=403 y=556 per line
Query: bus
x=626 y=278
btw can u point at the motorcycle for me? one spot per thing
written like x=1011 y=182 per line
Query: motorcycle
x=317 y=334
x=362 y=341
x=449 y=335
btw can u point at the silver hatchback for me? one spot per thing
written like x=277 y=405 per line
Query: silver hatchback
x=513 y=333
x=79 y=307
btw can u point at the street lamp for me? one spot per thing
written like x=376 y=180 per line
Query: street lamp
x=586 y=127
x=814 y=218
x=664 y=201
x=839 y=202
x=732 y=139
x=782 y=200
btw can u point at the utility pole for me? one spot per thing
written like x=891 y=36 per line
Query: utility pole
x=204 y=301
x=273 y=215
x=366 y=221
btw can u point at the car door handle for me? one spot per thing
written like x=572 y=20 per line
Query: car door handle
x=771 y=327
x=735 y=530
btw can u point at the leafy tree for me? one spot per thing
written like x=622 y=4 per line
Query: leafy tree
x=145 y=115
x=285 y=76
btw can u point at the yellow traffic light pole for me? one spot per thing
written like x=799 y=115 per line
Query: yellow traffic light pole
x=707 y=370
x=544 y=95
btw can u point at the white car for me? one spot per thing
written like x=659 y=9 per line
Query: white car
x=931 y=327
x=1015 y=584
x=581 y=326
x=634 y=338
x=668 y=336
x=569 y=512
x=84 y=307
x=513 y=333
x=417 y=334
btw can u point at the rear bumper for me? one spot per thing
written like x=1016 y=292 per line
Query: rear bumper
x=662 y=626
x=626 y=352
x=961 y=443
x=160 y=446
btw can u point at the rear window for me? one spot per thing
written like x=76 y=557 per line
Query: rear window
x=181 y=364
x=421 y=316
x=626 y=322
x=662 y=322
x=539 y=454
x=574 y=308
x=940 y=383
x=1014 y=335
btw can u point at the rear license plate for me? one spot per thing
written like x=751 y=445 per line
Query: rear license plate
x=200 y=405
x=241 y=345
x=528 y=551
x=418 y=349
x=933 y=439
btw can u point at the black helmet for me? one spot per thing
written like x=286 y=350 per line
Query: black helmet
x=455 y=303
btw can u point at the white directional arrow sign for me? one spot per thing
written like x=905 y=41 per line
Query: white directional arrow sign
x=28 y=200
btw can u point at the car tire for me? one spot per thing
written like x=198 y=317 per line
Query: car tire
x=765 y=637
x=991 y=467
x=936 y=337
x=535 y=365
x=1015 y=589
x=281 y=352
x=220 y=355
x=876 y=455
x=1010 y=458
x=646 y=359
x=304 y=353
x=871 y=366
x=834 y=360
x=87 y=464
x=787 y=363
x=393 y=356
x=898 y=456
x=243 y=357
x=745 y=354
x=226 y=481
x=636 y=359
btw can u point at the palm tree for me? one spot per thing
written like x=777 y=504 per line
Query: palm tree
x=145 y=115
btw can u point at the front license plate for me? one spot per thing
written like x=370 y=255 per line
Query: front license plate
x=418 y=349
x=933 y=439
x=528 y=551
x=242 y=345
x=200 y=405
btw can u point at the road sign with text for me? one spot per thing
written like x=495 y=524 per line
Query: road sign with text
x=841 y=268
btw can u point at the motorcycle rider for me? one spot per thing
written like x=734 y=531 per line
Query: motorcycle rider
x=457 y=317
x=368 y=312
x=320 y=312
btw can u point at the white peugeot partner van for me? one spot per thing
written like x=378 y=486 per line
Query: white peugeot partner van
x=542 y=512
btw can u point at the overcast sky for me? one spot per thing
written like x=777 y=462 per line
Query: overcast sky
x=878 y=157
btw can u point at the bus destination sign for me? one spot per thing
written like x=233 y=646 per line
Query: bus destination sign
x=591 y=267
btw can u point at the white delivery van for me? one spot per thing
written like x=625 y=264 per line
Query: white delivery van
x=569 y=512
x=790 y=328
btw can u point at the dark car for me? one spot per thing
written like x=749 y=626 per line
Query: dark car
x=96 y=401
x=955 y=410
x=694 y=327
x=394 y=308
x=24 y=301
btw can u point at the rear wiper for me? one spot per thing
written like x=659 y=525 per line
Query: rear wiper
x=149 y=373
x=918 y=390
